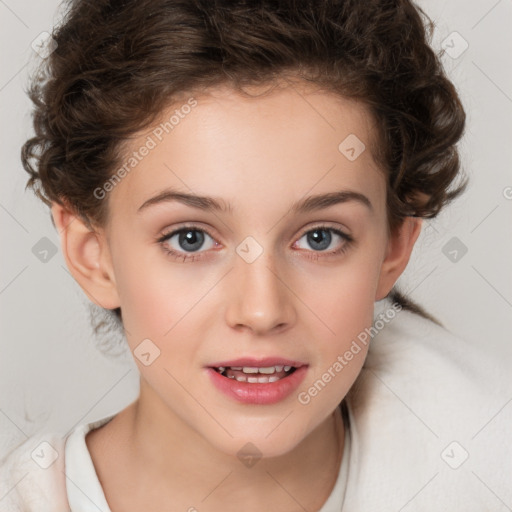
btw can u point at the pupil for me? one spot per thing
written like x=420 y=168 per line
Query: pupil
x=324 y=240
x=193 y=238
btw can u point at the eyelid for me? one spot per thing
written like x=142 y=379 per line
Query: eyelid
x=327 y=225
x=165 y=234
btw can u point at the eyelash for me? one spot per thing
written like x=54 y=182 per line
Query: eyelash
x=348 y=241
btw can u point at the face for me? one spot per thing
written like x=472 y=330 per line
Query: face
x=259 y=276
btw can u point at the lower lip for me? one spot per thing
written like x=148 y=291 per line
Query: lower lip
x=261 y=394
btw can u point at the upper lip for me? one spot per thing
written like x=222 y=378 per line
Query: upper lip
x=263 y=362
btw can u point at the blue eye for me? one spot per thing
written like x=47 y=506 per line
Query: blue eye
x=186 y=243
x=321 y=237
x=188 y=239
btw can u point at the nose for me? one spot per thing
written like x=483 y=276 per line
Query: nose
x=259 y=299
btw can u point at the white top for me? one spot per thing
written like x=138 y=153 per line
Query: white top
x=430 y=429
x=85 y=490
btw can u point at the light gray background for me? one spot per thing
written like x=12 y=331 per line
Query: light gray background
x=51 y=373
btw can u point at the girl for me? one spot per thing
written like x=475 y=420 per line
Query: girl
x=240 y=185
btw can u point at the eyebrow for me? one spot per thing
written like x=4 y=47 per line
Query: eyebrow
x=311 y=203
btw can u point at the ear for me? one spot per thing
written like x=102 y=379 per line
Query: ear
x=398 y=252
x=87 y=257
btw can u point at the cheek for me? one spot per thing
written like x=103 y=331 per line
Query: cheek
x=154 y=292
x=344 y=302
x=347 y=313
x=343 y=298
x=144 y=295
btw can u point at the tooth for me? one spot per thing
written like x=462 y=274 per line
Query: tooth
x=268 y=369
x=221 y=368
x=252 y=380
x=287 y=368
x=274 y=378
x=278 y=368
x=250 y=369
x=241 y=378
x=263 y=380
x=231 y=377
x=236 y=367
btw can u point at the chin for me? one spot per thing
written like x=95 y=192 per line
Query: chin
x=262 y=439
x=256 y=447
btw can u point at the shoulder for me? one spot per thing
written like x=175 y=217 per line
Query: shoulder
x=409 y=346
x=426 y=412
x=32 y=475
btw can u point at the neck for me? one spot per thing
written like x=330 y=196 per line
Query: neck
x=175 y=460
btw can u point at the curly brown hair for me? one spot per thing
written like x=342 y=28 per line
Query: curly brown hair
x=119 y=64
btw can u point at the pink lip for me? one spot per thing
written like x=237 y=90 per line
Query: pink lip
x=258 y=363
x=260 y=394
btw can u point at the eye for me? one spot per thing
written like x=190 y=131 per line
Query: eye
x=185 y=243
x=322 y=237
x=185 y=240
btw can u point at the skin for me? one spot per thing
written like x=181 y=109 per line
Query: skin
x=179 y=440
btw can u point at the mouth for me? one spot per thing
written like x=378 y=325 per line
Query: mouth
x=251 y=381
x=255 y=374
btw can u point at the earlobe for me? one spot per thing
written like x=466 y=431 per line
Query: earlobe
x=398 y=253
x=87 y=257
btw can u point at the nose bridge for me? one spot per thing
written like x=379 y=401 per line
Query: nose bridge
x=258 y=298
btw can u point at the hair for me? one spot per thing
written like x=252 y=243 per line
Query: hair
x=119 y=64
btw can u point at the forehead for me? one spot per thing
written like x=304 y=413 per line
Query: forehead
x=271 y=148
